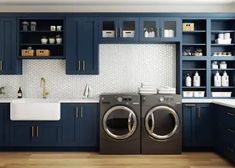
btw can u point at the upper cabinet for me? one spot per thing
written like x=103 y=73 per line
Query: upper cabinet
x=119 y=29
x=41 y=38
x=9 y=64
x=153 y=29
x=82 y=46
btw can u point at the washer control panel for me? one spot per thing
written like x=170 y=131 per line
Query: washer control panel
x=121 y=99
x=166 y=99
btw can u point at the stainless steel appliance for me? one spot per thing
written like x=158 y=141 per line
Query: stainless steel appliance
x=120 y=123
x=161 y=124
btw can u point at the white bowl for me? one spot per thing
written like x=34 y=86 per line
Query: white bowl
x=44 y=41
x=51 y=40
x=58 y=40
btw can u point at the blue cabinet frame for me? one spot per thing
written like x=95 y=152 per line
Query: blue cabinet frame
x=4 y=120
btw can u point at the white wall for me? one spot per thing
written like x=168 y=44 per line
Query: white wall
x=122 y=68
x=117 y=8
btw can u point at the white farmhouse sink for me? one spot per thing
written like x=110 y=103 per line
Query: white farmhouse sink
x=35 y=110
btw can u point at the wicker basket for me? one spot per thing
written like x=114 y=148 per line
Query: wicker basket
x=27 y=52
x=42 y=52
x=188 y=26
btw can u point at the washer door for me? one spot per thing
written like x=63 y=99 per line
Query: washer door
x=162 y=122
x=120 y=122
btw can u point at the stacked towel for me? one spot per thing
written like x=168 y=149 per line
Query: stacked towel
x=167 y=90
x=147 y=89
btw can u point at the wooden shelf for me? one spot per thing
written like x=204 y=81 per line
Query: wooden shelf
x=228 y=69
x=194 y=69
x=41 y=31
x=39 y=44
x=194 y=58
x=195 y=31
x=222 y=31
x=193 y=87
x=223 y=58
x=222 y=87
x=193 y=44
x=223 y=44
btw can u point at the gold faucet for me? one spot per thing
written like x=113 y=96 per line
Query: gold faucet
x=43 y=86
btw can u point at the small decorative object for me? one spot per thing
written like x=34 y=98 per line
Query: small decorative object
x=187 y=52
x=44 y=40
x=219 y=53
x=188 y=26
x=223 y=65
x=215 y=65
x=52 y=40
x=215 y=54
x=25 y=25
x=229 y=53
x=33 y=26
x=198 y=52
x=27 y=52
x=53 y=28
x=223 y=38
x=59 y=28
x=58 y=39
x=42 y=52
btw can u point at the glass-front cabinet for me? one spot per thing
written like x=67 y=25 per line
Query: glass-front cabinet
x=119 y=29
x=159 y=29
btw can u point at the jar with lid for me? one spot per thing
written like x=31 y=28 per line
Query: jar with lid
x=223 y=65
x=215 y=65
x=25 y=25
x=33 y=26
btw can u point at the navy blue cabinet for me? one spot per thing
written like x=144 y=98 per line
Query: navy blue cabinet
x=25 y=134
x=119 y=29
x=9 y=64
x=225 y=130
x=154 y=29
x=4 y=118
x=82 y=122
x=81 y=46
x=198 y=125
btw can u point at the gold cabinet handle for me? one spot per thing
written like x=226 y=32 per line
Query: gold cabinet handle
x=116 y=32
x=231 y=114
x=32 y=131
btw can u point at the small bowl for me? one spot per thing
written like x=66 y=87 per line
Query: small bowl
x=51 y=40
x=44 y=41
x=58 y=40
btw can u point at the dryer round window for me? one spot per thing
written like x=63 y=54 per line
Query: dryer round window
x=162 y=122
x=120 y=122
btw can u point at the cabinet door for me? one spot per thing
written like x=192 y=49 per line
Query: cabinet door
x=150 y=29
x=4 y=119
x=9 y=63
x=108 y=30
x=70 y=131
x=204 y=126
x=188 y=124
x=88 y=46
x=128 y=29
x=88 y=125
x=170 y=29
x=82 y=46
x=21 y=134
x=47 y=134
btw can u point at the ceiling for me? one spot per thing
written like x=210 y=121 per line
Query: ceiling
x=117 y=2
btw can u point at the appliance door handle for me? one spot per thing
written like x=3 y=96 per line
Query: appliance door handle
x=129 y=122
x=153 y=122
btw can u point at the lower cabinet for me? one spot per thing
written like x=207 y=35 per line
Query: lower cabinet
x=80 y=124
x=198 y=125
x=35 y=134
x=225 y=129
x=4 y=118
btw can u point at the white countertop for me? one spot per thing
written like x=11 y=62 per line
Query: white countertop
x=223 y=102
x=60 y=100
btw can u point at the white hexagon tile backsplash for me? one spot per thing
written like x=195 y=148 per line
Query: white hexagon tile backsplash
x=122 y=68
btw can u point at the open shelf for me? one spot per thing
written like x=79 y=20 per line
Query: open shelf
x=42 y=57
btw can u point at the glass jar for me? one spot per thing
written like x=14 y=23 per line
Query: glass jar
x=223 y=65
x=215 y=65
x=33 y=26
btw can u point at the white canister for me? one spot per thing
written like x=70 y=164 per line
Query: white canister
x=215 y=65
x=223 y=65
x=221 y=36
x=53 y=28
x=188 y=81
x=196 y=80
x=226 y=35
x=59 y=28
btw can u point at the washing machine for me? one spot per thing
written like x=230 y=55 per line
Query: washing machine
x=120 y=123
x=161 y=124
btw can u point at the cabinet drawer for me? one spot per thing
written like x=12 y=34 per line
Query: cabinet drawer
x=227 y=150
x=227 y=134
x=227 y=117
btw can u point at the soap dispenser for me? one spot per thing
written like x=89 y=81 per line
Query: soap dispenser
x=225 y=79
x=196 y=80
x=188 y=81
x=217 y=80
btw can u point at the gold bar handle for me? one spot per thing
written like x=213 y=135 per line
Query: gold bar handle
x=1 y=66
x=32 y=131
x=83 y=65
x=79 y=65
x=76 y=111
x=37 y=133
x=81 y=112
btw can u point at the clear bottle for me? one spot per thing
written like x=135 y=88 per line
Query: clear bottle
x=217 y=80
x=196 y=80
x=225 y=79
x=188 y=81
x=20 y=94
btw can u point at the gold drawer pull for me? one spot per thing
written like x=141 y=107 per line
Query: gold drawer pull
x=230 y=130
x=231 y=114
